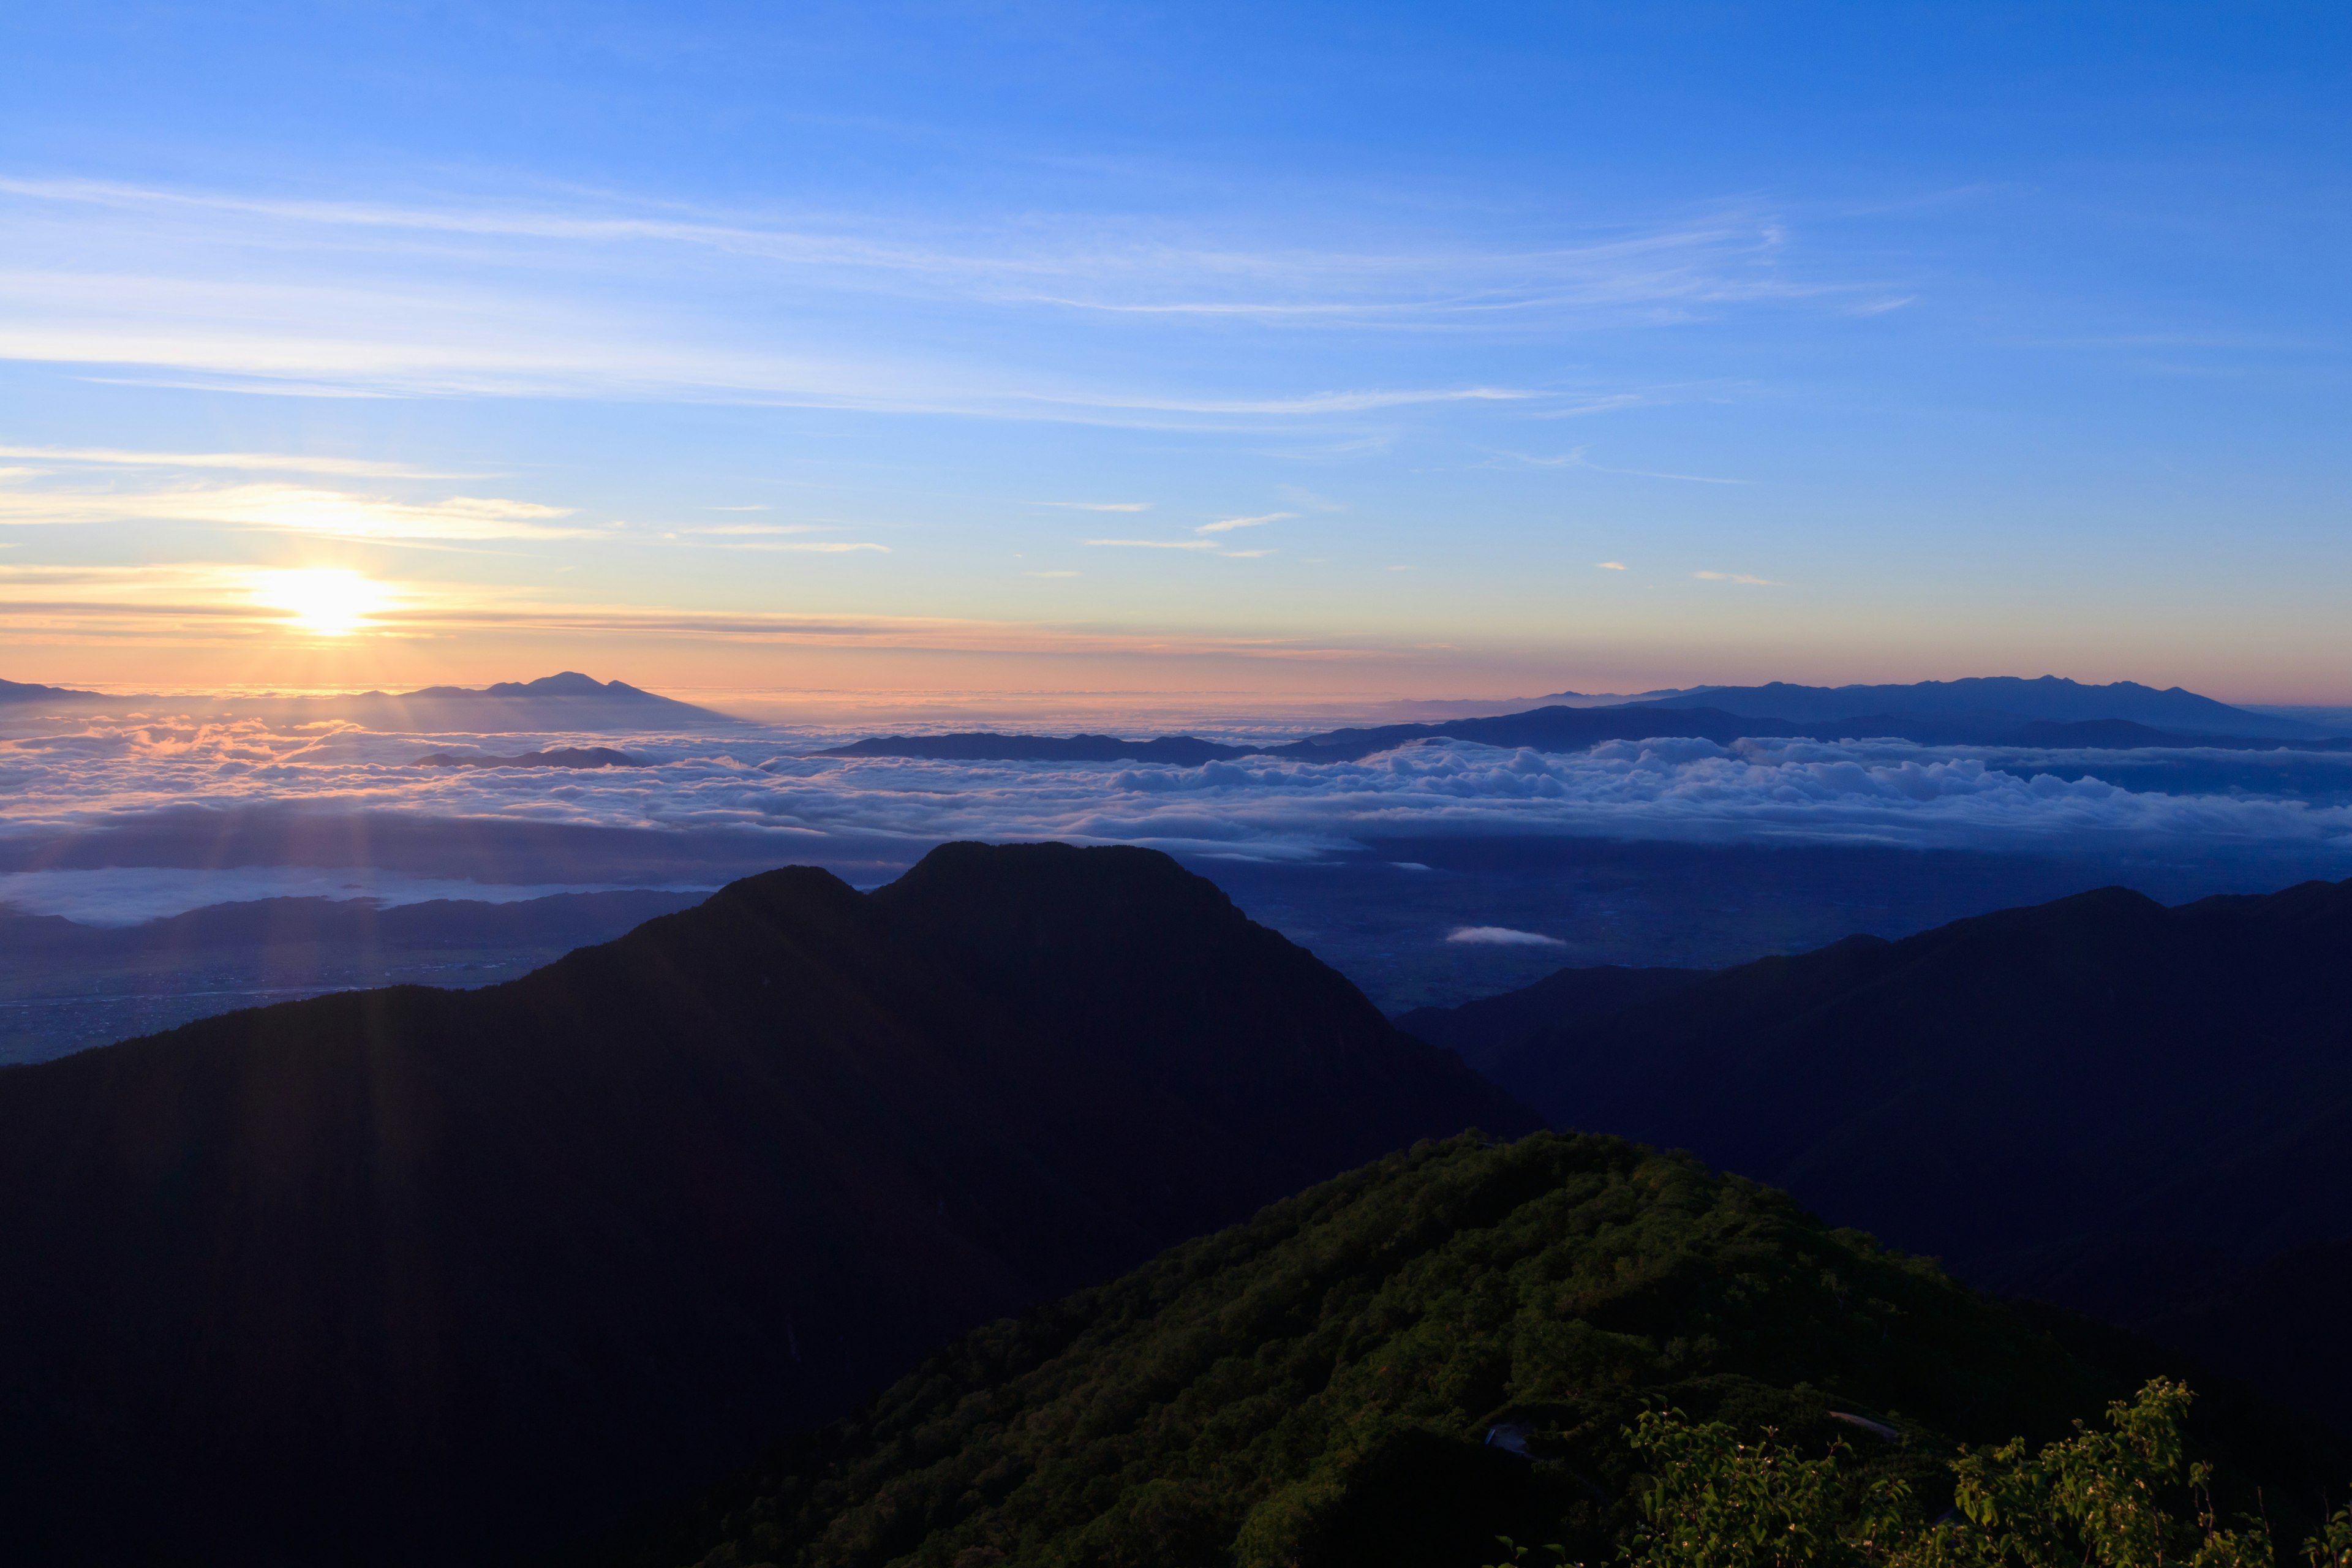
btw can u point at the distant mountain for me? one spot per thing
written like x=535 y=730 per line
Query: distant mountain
x=27 y=691
x=2136 y=1112
x=1995 y=697
x=425 y=1276
x=568 y=701
x=569 y=683
x=1400 y=1365
x=560 y=757
x=2004 y=712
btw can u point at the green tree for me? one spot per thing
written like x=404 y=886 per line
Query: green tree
x=2120 y=1498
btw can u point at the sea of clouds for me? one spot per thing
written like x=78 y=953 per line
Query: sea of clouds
x=163 y=796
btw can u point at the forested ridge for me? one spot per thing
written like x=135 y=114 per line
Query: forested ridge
x=1343 y=1379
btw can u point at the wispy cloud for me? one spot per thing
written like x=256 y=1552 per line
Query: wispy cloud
x=731 y=530
x=229 y=603
x=1736 y=577
x=1154 y=544
x=813 y=546
x=295 y=509
x=1231 y=524
x=249 y=462
x=1610 y=566
x=1099 y=505
x=577 y=296
x=1578 y=459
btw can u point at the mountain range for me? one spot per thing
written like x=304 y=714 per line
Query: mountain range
x=2048 y=712
x=568 y=701
x=2138 y=1111
x=414 y=1275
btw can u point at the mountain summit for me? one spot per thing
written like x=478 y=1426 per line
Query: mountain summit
x=414 y=1275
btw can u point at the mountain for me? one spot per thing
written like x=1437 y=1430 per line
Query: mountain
x=1399 y=1365
x=569 y=683
x=568 y=701
x=2137 y=1111
x=29 y=691
x=2049 y=698
x=1484 y=1032
x=1994 y=712
x=411 y=1275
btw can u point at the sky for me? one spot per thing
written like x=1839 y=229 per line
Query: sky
x=1279 y=352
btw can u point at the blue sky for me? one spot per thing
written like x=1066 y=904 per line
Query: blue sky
x=1416 y=349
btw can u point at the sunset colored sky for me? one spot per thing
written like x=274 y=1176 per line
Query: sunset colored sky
x=1429 y=351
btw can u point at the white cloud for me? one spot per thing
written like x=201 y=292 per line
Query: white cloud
x=292 y=509
x=1231 y=524
x=753 y=781
x=1501 y=936
x=1154 y=544
x=811 y=546
x=251 y=462
x=614 y=296
x=1736 y=577
x=1610 y=566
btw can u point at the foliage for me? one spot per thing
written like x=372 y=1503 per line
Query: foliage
x=2115 y=1498
x=1315 y=1387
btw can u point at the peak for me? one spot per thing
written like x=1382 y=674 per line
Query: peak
x=569 y=683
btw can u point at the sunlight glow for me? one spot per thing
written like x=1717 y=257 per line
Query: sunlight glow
x=326 y=600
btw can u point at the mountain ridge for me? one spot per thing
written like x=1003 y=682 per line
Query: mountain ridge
x=1933 y=1091
x=423 y=1272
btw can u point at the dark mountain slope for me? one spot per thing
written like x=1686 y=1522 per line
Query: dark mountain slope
x=2100 y=1101
x=1318 y=1386
x=1484 y=1032
x=414 y=1275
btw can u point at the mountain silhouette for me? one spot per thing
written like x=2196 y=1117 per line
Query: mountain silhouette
x=411 y=1275
x=2048 y=712
x=2137 y=1111
x=2048 y=698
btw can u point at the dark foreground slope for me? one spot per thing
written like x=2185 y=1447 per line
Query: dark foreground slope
x=1316 y=1387
x=426 y=1276
x=2145 y=1113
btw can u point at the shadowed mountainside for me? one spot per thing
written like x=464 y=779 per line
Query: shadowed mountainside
x=2137 y=1111
x=1396 y=1366
x=411 y=1275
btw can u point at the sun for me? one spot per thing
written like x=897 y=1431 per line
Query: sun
x=326 y=600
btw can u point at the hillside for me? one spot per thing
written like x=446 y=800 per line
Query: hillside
x=2127 y=1109
x=1342 y=1380
x=416 y=1275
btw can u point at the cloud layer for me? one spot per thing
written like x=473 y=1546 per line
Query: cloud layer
x=761 y=787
